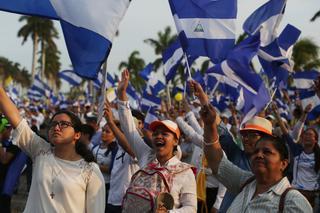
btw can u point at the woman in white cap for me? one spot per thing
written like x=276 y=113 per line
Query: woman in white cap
x=162 y=171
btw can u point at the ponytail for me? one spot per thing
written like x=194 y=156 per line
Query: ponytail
x=84 y=152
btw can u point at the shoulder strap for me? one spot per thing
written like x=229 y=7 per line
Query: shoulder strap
x=282 y=199
x=249 y=180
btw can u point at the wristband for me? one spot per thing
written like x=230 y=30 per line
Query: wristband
x=211 y=143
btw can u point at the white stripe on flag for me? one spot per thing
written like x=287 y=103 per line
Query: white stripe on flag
x=207 y=28
x=91 y=14
x=173 y=60
x=231 y=74
x=302 y=83
x=267 y=35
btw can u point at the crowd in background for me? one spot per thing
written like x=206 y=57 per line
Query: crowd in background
x=209 y=142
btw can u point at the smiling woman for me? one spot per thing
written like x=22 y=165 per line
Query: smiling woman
x=264 y=188
x=64 y=177
x=162 y=174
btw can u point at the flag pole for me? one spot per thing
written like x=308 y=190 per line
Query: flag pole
x=189 y=78
x=168 y=92
x=272 y=96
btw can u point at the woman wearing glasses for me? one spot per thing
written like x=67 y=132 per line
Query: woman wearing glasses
x=65 y=178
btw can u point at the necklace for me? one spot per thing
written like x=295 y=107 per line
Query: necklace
x=53 y=179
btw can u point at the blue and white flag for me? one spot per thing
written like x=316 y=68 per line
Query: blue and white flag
x=149 y=101
x=99 y=80
x=265 y=20
x=205 y=27
x=150 y=117
x=71 y=77
x=171 y=58
x=305 y=79
x=134 y=97
x=88 y=27
x=310 y=97
x=41 y=86
x=237 y=68
x=154 y=86
x=222 y=83
x=145 y=73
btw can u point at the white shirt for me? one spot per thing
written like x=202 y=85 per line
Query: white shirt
x=124 y=166
x=77 y=186
x=99 y=155
x=184 y=183
x=304 y=175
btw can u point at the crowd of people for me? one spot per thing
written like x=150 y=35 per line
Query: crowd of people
x=193 y=159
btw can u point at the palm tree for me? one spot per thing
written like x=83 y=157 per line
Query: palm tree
x=306 y=55
x=161 y=43
x=134 y=64
x=52 y=65
x=46 y=35
x=9 y=68
x=317 y=15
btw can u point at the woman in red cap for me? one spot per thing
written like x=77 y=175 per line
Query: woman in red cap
x=163 y=182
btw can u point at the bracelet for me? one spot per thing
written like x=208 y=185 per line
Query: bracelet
x=211 y=143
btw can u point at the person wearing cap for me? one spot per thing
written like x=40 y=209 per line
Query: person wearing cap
x=250 y=133
x=266 y=188
x=161 y=170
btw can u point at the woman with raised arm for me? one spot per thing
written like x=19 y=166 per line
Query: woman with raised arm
x=162 y=174
x=65 y=178
x=264 y=188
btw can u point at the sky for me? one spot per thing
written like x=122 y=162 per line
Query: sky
x=144 y=19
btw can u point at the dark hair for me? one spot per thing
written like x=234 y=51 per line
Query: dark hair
x=81 y=149
x=316 y=150
x=280 y=146
x=87 y=129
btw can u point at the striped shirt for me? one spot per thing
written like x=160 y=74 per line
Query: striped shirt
x=233 y=178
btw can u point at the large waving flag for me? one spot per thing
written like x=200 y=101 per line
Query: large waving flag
x=237 y=68
x=171 y=58
x=275 y=58
x=266 y=20
x=88 y=27
x=71 y=77
x=205 y=27
x=310 y=97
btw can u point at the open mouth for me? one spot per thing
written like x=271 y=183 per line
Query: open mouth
x=159 y=144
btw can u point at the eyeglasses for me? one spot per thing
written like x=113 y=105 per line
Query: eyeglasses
x=250 y=134
x=61 y=124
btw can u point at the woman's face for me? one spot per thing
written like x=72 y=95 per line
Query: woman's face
x=249 y=140
x=61 y=130
x=164 y=142
x=309 y=138
x=267 y=160
x=107 y=135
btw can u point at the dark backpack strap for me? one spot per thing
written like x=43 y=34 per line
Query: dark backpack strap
x=282 y=199
x=249 y=180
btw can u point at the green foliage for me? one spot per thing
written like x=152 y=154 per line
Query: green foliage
x=9 y=68
x=134 y=64
x=305 y=55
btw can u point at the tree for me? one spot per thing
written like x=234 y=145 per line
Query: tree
x=9 y=68
x=134 y=64
x=306 y=55
x=161 y=43
x=40 y=30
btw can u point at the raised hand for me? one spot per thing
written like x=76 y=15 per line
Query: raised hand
x=308 y=108
x=108 y=112
x=208 y=114
x=198 y=91
x=123 y=85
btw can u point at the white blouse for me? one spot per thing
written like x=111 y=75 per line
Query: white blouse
x=59 y=185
